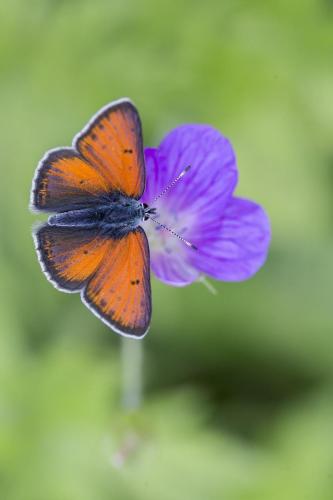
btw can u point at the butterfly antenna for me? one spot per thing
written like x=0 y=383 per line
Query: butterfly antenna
x=188 y=243
x=166 y=189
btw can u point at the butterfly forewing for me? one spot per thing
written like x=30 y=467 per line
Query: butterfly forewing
x=107 y=157
x=114 y=139
x=66 y=181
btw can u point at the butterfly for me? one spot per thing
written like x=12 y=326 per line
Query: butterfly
x=93 y=242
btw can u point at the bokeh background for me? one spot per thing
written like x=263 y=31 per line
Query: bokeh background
x=238 y=397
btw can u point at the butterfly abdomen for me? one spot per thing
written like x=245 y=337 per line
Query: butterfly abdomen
x=121 y=216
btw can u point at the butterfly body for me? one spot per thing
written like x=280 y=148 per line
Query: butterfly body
x=121 y=215
x=93 y=242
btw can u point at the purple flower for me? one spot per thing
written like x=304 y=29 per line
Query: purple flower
x=232 y=234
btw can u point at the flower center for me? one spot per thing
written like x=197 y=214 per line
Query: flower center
x=162 y=240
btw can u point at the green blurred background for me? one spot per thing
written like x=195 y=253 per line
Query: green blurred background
x=238 y=401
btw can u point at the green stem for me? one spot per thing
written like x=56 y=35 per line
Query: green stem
x=132 y=376
x=210 y=287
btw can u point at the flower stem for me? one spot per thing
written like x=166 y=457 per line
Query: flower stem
x=132 y=379
x=210 y=287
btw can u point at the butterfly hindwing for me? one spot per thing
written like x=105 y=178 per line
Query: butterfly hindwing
x=106 y=157
x=112 y=273
x=119 y=292
x=112 y=142
x=69 y=256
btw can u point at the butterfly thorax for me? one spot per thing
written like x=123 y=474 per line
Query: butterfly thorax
x=117 y=216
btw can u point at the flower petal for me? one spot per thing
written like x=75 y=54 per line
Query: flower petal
x=173 y=269
x=232 y=234
x=153 y=174
x=211 y=179
x=236 y=250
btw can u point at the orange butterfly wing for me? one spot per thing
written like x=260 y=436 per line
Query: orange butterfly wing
x=112 y=273
x=66 y=181
x=112 y=143
x=69 y=256
x=119 y=292
x=107 y=157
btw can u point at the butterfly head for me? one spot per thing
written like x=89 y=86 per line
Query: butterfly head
x=148 y=211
